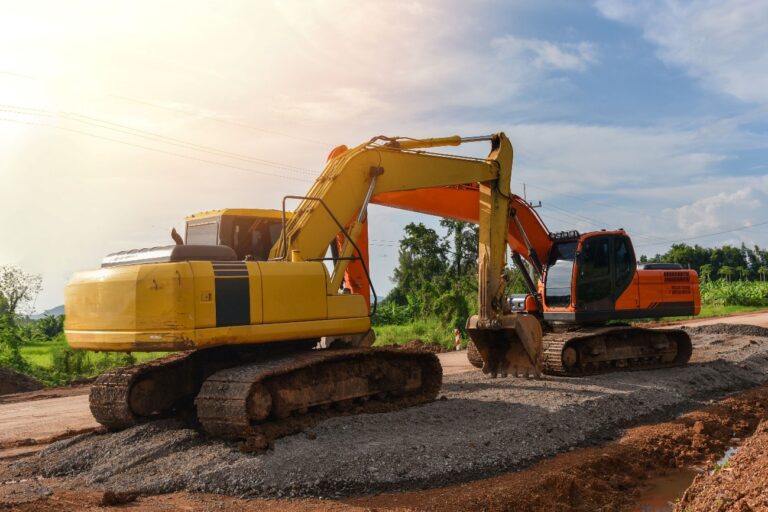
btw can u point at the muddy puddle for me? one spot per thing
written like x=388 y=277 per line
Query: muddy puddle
x=662 y=492
x=723 y=462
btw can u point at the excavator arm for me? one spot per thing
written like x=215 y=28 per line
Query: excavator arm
x=527 y=234
x=339 y=198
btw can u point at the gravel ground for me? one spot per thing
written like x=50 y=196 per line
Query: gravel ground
x=484 y=427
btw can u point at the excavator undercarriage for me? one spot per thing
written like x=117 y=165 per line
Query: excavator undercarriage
x=260 y=393
x=581 y=351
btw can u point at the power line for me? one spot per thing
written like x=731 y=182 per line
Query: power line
x=135 y=132
x=219 y=120
x=599 y=203
x=732 y=230
x=149 y=148
x=598 y=223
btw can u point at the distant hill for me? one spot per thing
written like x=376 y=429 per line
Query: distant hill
x=57 y=311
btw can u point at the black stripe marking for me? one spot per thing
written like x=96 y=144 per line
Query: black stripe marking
x=230 y=273
x=233 y=301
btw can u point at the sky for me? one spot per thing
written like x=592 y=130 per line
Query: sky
x=118 y=119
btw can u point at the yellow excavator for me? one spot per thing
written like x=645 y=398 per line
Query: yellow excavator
x=266 y=339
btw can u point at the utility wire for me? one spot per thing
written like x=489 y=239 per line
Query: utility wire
x=598 y=223
x=219 y=120
x=726 y=231
x=108 y=125
x=157 y=150
x=592 y=201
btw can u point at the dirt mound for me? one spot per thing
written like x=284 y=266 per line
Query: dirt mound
x=425 y=347
x=12 y=381
x=739 y=486
x=729 y=329
x=420 y=346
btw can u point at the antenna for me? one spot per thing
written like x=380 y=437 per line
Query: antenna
x=530 y=203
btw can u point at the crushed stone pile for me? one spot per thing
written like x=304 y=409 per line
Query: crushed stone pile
x=483 y=428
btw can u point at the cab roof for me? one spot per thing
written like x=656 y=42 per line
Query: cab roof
x=240 y=212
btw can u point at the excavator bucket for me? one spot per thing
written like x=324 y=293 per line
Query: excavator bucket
x=513 y=347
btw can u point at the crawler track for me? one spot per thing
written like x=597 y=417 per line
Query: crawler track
x=129 y=395
x=111 y=394
x=266 y=400
x=261 y=393
x=591 y=351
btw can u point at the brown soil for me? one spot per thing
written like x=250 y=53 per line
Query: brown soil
x=46 y=393
x=603 y=478
x=420 y=345
x=740 y=485
x=12 y=381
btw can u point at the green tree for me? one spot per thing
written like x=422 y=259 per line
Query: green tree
x=464 y=236
x=706 y=272
x=421 y=273
x=50 y=326
x=726 y=271
x=743 y=273
x=18 y=290
x=762 y=271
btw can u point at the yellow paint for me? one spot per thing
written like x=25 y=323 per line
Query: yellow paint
x=293 y=291
x=204 y=295
x=342 y=306
x=152 y=341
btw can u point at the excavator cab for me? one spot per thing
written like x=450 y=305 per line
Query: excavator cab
x=594 y=278
x=251 y=232
x=587 y=274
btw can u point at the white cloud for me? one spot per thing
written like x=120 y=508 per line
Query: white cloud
x=720 y=42
x=717 y=212
x=547 y=55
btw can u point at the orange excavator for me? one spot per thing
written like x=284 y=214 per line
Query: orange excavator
x=586 y=283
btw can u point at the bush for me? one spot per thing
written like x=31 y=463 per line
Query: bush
x=429 y=330
x=737 y=293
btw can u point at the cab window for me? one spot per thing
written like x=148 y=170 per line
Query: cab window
x=557 y=288
x=594 y=284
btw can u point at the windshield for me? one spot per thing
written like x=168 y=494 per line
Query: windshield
x=557 y=289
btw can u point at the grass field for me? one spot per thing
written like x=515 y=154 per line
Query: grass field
x=430 y=330
x=41 y=353
x=708 y=311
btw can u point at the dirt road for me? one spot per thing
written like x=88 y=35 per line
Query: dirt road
x=29 y=421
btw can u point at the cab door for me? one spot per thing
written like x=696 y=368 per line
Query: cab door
x=594 y=287
x=606 y=267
